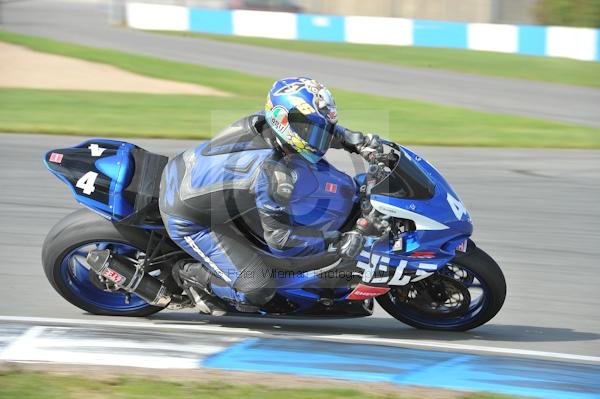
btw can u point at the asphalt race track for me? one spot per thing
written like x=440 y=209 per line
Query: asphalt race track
x=537 y=212
x=86 y=23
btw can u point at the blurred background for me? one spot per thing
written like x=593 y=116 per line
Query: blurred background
x=543 y=12
x=502 y=96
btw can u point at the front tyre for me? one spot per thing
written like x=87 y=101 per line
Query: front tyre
x=63 y=257
x=466 y=293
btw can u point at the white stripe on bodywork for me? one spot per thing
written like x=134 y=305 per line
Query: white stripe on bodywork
x=421 y=222
x=428 y=266
x=206 y=259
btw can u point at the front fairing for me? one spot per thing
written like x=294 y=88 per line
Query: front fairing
x=442 y=210
x=442 y=225
x=441 y=221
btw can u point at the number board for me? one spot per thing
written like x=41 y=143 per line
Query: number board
x=89 y=167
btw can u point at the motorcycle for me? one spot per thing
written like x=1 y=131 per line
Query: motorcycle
x=418 y=261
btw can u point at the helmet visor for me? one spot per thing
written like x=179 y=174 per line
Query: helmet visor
x=316 y=135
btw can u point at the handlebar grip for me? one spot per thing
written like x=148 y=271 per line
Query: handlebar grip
x=369 y=226
x=388 y=159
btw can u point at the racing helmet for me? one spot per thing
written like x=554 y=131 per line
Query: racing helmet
x=302 y=114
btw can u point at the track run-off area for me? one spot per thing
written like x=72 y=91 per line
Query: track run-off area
x=117 y=345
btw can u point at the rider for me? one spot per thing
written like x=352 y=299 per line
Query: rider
x=253 y=168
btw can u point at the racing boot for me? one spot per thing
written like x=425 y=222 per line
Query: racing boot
x=195 y=281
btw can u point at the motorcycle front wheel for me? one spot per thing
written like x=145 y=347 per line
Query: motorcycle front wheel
x=466 y=293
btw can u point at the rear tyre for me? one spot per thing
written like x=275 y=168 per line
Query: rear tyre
x=63 y=258
x=468 y=292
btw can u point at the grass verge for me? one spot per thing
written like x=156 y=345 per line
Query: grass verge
x=33 y=385
x=118 y=114
x=197 y=117
x=178 y=116
x=557 y=70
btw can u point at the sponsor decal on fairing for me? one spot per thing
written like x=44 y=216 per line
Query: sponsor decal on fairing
x=377 y=272
x=363 y=291
x=56 y=157
x=331 y=187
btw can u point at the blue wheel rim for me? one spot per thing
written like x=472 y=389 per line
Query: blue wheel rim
x=476 y=305
x=75 y=275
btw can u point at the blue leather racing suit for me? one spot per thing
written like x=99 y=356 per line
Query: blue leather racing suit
x=244 y=208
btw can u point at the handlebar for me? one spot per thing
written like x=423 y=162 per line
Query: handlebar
x=390 y=159
x=371 y=222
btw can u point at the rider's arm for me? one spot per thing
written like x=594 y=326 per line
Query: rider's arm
x=347 y=139
x=274 y=187
x=355 y=141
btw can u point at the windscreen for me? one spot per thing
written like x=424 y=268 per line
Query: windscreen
x=407 y=181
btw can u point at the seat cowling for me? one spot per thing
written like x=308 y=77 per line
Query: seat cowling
x=143 y=189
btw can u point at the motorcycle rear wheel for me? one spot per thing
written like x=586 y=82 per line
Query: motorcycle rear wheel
x=63 y=258
x=468 y=292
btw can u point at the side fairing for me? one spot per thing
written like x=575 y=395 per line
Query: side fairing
x=97 y=172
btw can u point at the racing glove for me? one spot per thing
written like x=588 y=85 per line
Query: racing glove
x=370 y=147
x=350 y=244
x=366 y=145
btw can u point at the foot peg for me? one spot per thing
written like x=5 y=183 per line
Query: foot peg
x=206 y=303
x=245 y=308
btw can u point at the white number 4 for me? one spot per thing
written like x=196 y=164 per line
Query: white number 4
x=86 y=183
x=457 y=207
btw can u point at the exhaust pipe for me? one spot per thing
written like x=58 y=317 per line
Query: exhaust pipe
x=129 y=278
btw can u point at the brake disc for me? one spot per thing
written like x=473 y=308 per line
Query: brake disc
x=437 y=295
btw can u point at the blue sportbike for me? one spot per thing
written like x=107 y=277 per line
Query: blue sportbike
x=418 y=262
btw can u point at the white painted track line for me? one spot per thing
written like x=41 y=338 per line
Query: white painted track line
x=70 y=345
x=346 y=338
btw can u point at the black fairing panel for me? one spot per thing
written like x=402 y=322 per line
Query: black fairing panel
x=96 y=171
x=406 y=181
x=115 y=179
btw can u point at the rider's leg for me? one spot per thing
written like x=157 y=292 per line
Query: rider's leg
x=254 y=283
x=238 y=274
